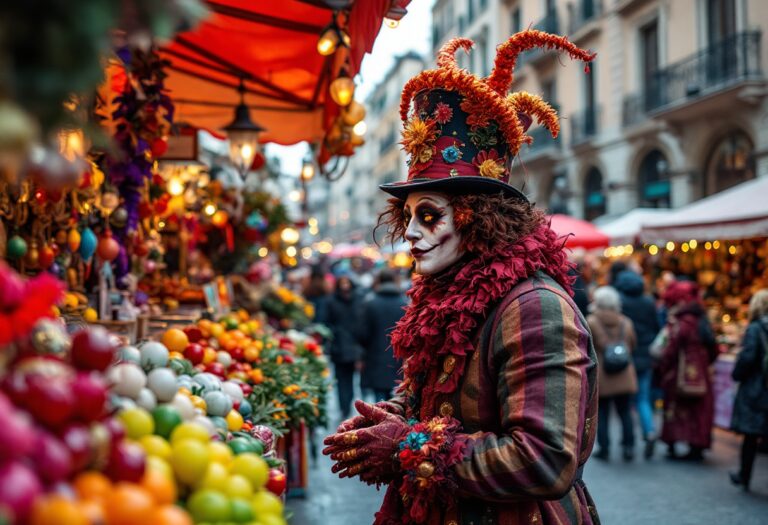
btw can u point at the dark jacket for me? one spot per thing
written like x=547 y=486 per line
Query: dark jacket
x=750 y=409
x=344 y=321
x=641 y=310
x=380 y=314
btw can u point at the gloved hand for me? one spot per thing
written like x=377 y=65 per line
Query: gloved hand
x=360 y=421
x=368 y=451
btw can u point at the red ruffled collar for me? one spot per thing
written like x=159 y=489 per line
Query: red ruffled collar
x=447 y=310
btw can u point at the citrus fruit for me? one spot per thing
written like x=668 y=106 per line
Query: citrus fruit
x=252 y=468
x=90 y=315
x=209 y=506
x=137 y=421
x=170 y=515
x=215 y=478
x=190 y=431
x=175 y=340
x=220 y=452
x=57 y=510
x=240 y=510
x=159 y=486
x=92 y=485
x=156 y=446
x=189 y=459
x=128 y=504
x=238 y=487
x=265 y=503
x=216 y=330
x=166 y=419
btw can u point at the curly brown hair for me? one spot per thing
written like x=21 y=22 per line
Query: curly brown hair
x=485 y=222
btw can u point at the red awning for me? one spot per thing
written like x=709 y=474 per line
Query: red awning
x=272 y=47
x=582 y=234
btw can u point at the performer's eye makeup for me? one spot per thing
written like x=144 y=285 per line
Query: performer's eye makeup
x=428 y=216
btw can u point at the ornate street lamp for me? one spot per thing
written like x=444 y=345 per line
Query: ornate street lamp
x=243 y=135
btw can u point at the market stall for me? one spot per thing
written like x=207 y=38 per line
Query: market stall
x=578 y=233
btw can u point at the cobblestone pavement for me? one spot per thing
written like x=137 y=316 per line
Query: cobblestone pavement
x=657 y=492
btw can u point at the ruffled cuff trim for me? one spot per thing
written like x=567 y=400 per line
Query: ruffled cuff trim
x=426 y=455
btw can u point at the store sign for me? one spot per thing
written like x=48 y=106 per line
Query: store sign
x=182 y=146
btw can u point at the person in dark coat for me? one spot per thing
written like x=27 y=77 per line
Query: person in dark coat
x=750 y=409
x=380 y=314
x=641 y=310
x=685 y=379
x=316 y=292
x=343 y=318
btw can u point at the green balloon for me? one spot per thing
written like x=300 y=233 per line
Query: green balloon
x=17 y=247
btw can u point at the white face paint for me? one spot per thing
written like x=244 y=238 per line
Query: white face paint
x=435 y=243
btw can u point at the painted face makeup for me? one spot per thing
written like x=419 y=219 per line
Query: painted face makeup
x=435 y=243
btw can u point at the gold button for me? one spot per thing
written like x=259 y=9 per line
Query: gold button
x=446 y=409
x=426 y=469
x=449 y=364
x=443 y=378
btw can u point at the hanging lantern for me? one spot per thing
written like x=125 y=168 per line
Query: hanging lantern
x=119 y=218
x=307 y=170
x=354 y=113
x=88 y=243
x=220 y=219
x=331 y=37
x=17 y=248
x=343 y=88
x=243 y=135
x=73 y=240
x=108 y=248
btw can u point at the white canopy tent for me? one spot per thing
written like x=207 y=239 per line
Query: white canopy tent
x=625 y=229
x=740 y=212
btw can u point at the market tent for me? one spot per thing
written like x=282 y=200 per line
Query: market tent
x=581 y=234
x=271 y=47
x=625 y=229
x=740 y=212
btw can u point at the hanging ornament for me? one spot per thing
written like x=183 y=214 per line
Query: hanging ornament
x=220 y=219
x=17 y=248
x=108 y=248
x=73 y=239
x=109 y=201
x=258 y=161
x=32 y=258
x=256 y=221
x=159 y=147
x=119 y=218
x=47 y=256
x=88 y=242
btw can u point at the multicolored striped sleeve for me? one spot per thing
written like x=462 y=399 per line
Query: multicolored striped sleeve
x=542 y=352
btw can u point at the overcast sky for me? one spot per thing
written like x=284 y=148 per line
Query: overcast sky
x=413 y=33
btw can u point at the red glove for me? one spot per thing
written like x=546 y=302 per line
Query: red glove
x=369 y=451
x=356 y=422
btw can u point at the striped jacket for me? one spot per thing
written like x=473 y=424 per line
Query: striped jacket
x=528 y=400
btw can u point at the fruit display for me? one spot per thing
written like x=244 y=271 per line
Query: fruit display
x=93 y=433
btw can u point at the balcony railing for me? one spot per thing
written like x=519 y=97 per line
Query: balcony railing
x=634 y=110
x=583 y=12
x=542 y=141
x=584 y=125
x=550 y=24
x=732 y=60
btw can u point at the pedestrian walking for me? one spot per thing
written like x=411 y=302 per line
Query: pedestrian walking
x=684 y=373
x=381 y=370
x=316 y=292
x=750 y=409
x=495 y=416
x=344 y=321
x=640 y=308
x=615 y=341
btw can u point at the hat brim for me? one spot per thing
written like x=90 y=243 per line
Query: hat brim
x=453 y=186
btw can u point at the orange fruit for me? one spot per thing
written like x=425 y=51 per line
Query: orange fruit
x=175 y=339
x=93 y=510
x=57 y=510
x=205 y=327
x=128 y=504
x=216 y=330
x=161 y=487
x=170 y=515
x=92 y=486
x=209 y=355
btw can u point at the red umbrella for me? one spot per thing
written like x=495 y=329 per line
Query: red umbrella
x=581 y=234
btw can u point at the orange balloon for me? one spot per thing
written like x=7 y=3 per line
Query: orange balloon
x=129 y=504
x=57 y=510
x=160 y=486
x=170 y=515
x=92 y=486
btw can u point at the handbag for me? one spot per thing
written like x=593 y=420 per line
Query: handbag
x=616 y=355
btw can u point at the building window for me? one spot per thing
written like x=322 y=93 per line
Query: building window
x=654 y=187
x=594 y=196
x=649 y=62
x=721 y=20
x=517 y=21
x=732 y=162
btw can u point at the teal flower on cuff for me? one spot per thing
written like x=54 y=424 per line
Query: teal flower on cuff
x=451 y=154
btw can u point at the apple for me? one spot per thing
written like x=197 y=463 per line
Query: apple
x=91 y=392
x=126 y=462
x=93 y=349
x=276 y=482
x=50 y=400
x=77 y=438
x=194 y=353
